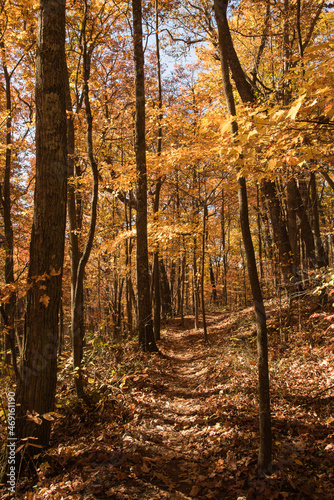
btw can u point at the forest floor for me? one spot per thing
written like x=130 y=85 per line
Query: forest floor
x=183 y=424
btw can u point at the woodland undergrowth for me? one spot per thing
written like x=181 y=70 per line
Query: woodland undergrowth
x=183 y=424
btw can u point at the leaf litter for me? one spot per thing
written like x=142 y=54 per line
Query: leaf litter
x=184 y=424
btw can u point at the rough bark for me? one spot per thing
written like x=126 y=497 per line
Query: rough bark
x=38 y=371
x=5 y=196
x=145 y=323
x=304 y=223
x=280 y=233
x=321 y=254
x=156 y=273
x=265 y=449
x=77 y=320
x=244 y=88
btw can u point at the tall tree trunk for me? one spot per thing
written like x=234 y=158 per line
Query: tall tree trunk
x=156 y=274
x=77 y=306
x=293 y=226
x=195 y=285
x=128 y=263
x=202 y=273
x=145 y=324
x=280 y=234
x=321 y=254
x=166 y=296
x=259 y=233
x=38 y=372
x=5 y=196
x=224 y=251
x=304 y=223
x=265 y=449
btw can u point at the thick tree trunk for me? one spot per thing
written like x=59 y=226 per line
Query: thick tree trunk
x=265 y=450
x=38 y=372
x=145 y=324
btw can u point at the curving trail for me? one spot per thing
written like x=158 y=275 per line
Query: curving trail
x=171 y=440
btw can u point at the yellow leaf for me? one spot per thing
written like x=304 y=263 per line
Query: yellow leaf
x=45 y=300
x=298 y=462
x=35 y=419
x=54 y=272
x=272 y=164
x=293 y=111
x=194 y=491
x=48 y=416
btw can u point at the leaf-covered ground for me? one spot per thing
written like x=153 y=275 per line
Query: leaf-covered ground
x=184 y=424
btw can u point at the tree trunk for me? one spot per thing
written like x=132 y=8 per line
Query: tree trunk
x=5 y=192
x=321 y=254
x=38 y=372
x=280 y=234
x=265 y=450
x=195 y=285
x=304 y=223
x=166 y=297
x=145 y=324
x=293 y=226
x=202 y=273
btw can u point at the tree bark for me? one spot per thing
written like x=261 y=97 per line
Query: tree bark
x=145 y=323
x=280 y=234
x=5 y=196
x=321 y=254
x=38 y=371
x=265 y=449
x=77 y=320
x=156 y=270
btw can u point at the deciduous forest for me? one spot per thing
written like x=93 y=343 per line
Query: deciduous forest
x=167 y=249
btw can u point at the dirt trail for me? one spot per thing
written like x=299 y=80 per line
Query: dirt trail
x=170 y=437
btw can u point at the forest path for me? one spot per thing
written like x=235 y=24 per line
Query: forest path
x=183 y=424
x=172 y=440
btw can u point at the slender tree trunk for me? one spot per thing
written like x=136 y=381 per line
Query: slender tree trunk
x=145 y=324
x=280 y=234
x=78 y=332
x=265 y=450
x=156 y=275
x=202 y=273
x=38 y=372
x=304 y=223
x=183 y=278
x=293 y=226
x=166 y=298
x=5 y=196
x=321 y=255
x=195 y=285
x=224 y=252
x=259 y=232
x=128 y=263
